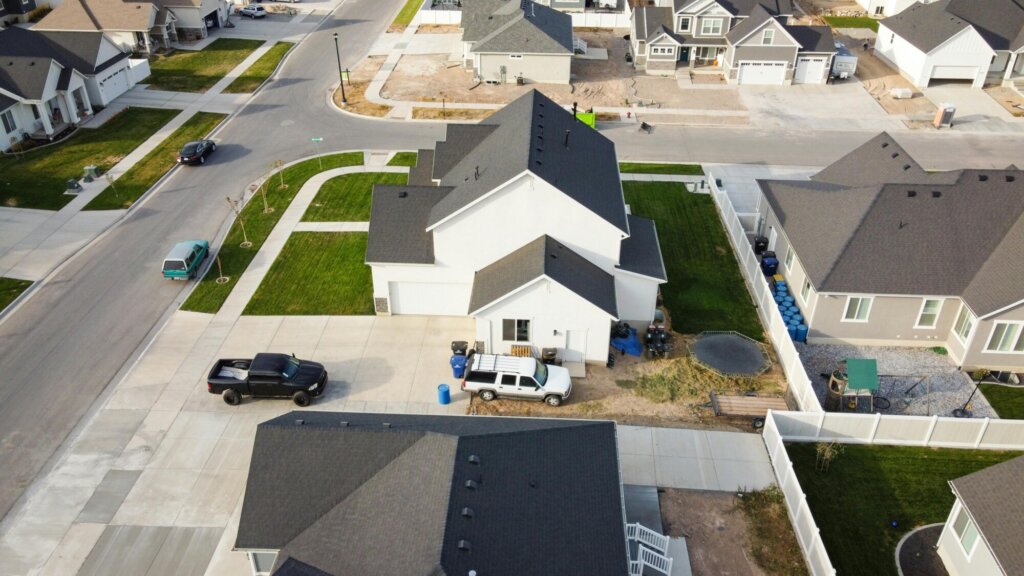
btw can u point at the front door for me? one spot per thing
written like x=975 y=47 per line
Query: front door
x=684 y=54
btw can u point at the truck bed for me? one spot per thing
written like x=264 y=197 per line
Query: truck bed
x=229 y=371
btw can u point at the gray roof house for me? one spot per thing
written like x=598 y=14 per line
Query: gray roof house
x=516 y=40
x=879 y=251
x=980 y=41
x=982 y=533
x=519 y=218
x=747 y=42
x=333 y=494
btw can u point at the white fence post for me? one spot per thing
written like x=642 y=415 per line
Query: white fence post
x=931 y=430
x=981 y=433
x=874 y=428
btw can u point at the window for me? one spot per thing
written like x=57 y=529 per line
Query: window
x=857 y=309
x=662 y=50
x=964 y=324
x=805 y=291
x=1006 y=337
x=8 y=119
x=508 y=379
x=929 y=314
x=684 y=24
x=879 y=10
x=515 y=330
x=789 y=258
x=767 y=37
x=711 y=27
x=515 y=56
x=966 y=531
x=263 y=562
x=35 y=112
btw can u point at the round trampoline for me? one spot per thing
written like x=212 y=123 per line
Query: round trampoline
x=730 y=353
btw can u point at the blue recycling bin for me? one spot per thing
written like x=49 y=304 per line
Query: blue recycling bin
x=458 y=363
x=791 y=328
x=444 y=396
x=801 y=333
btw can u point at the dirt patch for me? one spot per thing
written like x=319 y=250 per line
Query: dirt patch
x=450 y=113
x=832 y=7
x=879 y=78
x=438 y=29
x=355 y=89
x=1007 y=98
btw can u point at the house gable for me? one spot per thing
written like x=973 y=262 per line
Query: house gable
x=780 y=37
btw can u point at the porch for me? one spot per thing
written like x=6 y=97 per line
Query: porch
x=60 y=114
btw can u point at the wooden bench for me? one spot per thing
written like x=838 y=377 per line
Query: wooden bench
x=746 y=406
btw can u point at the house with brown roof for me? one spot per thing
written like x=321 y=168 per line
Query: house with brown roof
x=878 y=251
x=138 y=25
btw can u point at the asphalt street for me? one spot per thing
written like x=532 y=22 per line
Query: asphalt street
x=60 y=350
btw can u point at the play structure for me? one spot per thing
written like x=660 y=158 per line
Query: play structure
x=730 y=354
x=856 y=381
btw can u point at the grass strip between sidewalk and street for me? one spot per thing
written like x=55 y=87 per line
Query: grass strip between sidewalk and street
x=852 y=22
x=317 y=273
x=403 y=159
x=1007 y=401
x=347 y=198
x=127 y=189
x=660 y=168
x=405 y=16
x=260 y=70
x=864 y=489
x=37 y=178
x=208 y=296
x=10 y=289
x=705 y=290
x=198 y=70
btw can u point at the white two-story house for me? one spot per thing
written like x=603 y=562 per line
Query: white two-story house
x=518 y=221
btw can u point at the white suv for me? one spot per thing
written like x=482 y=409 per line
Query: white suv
x=492 y=375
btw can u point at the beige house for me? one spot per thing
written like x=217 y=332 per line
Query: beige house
x=878 y=251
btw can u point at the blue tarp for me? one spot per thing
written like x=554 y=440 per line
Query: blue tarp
x=630 y=345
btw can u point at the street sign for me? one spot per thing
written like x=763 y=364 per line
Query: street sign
x=316 y=139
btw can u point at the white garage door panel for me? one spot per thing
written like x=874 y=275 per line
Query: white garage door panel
x=115 y=85
x=429 y=298
x=762 y=73
x=955 y=72
x=809 y=71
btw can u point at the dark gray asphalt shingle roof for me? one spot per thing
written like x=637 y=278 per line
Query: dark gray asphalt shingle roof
x=992 y=496
x=544 y=256
x=6 y=102
x=744 y=7
x=398 y=224
x=758 y=16
x=420 y=174
x=926 y=26
x=365 y=499
x=25 y=57
x=957 y=235
x=516 y=26
x=529 y=134
x=459 y=140
x=641 y=253
x=813 y=38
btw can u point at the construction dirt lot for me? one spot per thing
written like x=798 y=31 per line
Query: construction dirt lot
x=879 y=78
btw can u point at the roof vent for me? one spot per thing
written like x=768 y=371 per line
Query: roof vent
x=541 y=126
x=553 y=256
x=906 y=167
x=403 y=194
x=471 y=484
x=467 y=512
x=541 y=104
x=533 y=484
x=344 y=423
x=540 y=115
x=936 y=194
x=885 y=144
x=474 y=459
x=982 y=177
x=895 y=154
x=1010 y=178
x=538 y=162
x=911 y=193
x=386 y=424
x=300 y=422
x=464 y=545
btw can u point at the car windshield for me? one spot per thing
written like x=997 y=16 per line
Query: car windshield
x=190 y=148
x=291 y=367
x=174 y=265
x=541 y=375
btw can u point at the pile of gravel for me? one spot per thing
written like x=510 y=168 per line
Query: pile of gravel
x=945 y=389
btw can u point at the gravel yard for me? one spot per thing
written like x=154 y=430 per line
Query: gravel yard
x=945 y=389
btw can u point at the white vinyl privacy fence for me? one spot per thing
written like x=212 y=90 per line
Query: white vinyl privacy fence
x=799 y=384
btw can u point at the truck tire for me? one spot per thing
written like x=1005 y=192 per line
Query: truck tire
x=301 y=398
x=231 y=397
x=553 y=400
x=487 y=395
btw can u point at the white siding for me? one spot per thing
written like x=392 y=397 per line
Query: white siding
x=428 y=298
x=541 y=68
x=636 y=297
x=966 y=49
x=981 y=562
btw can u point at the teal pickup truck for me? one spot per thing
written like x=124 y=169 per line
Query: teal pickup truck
x=184 y=260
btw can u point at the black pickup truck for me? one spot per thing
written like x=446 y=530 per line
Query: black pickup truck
x=267 y=376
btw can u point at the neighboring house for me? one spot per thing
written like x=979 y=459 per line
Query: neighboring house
x=507 y=41
x=518 y=221
x=880 y=252
x=50 y=82
x=139 y=26
x=982 y=533
x=336 y=494
x=887 y=7
x=748 y=42
x=16 y=9
x=980 y=41
x=565 y=5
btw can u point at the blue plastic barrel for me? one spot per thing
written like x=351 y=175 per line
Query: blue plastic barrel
x=798 y=317
x=788 y=300
x=801 y=333
x=779 y=297
x=791 y=328
x=443 y=395
x=781 y=288
x=794 y=309
x=781 y=283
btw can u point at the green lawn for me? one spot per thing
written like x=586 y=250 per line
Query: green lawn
x=1008 y=402
x=141 y=177
x=251 y=79
x=403 y=159
x=317 y=273
x=11 y=289
x=866 y=488
x=208 y=296
x=852 y=22
x=347 y=198
x=655 y=168
x=198 y=70
x=405 y=17
x=37 y=178
x=705 y=290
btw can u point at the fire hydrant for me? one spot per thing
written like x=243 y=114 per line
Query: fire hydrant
x=629 y=115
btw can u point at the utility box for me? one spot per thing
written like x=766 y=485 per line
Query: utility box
x=944 y=116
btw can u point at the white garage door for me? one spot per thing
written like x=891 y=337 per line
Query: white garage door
x=810 y=70
x=429 y=299
x=762 y=73
x=954 y=72
x=115 y=85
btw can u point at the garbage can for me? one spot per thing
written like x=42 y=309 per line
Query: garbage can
x=458 y=363
x=443 y=395
x=459 y=347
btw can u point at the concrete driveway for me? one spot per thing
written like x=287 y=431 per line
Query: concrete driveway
x=740 y=181
x=816 y=107
x=975 y=109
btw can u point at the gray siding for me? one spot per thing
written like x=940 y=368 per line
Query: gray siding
x=698 y=25
x=540 y=68
x=765 y=53
x=891 y=321
x=977 y=358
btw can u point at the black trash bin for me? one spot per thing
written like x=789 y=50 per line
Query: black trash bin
x=549 y=355
x=760 y=245
x=459 y=347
